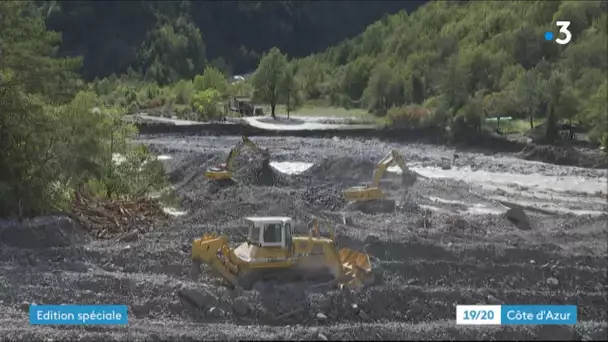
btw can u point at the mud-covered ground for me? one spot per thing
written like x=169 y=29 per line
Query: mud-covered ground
x=448 y=243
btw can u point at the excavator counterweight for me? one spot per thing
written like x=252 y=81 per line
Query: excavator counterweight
x=271 y=252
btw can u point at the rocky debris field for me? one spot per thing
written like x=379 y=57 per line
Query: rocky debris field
x=452 y=240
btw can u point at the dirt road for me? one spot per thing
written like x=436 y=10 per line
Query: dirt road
x=448 y=243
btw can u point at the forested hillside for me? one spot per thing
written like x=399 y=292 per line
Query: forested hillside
x=454 y=63
x=113 y=35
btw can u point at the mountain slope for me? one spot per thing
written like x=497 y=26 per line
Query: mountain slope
x=466 y=57
x=108 y=34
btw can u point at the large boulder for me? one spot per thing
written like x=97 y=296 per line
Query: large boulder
x=519 y=218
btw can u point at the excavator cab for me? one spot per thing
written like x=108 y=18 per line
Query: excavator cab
x=270 y=232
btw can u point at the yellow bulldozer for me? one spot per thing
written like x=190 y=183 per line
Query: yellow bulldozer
x=370 y=197
x=223 y=172
x=271 y=252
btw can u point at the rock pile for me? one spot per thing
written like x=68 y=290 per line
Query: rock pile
x=344 y=170
x=261 y=174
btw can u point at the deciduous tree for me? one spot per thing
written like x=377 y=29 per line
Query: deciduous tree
x=268 y=77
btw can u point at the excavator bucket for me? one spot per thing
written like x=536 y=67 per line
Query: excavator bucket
x=358 y=268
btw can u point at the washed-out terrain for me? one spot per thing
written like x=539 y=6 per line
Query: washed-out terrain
x=449 y=242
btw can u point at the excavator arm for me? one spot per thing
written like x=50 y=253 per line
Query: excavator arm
x=371 y=198
x=223 y=172
x=234 y=152
x=391 y=158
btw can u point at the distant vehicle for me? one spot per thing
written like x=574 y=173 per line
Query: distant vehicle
x=238 y=78
x=244 y=106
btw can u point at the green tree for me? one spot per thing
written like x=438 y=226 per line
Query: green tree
x=499 y=104
x=52 y=142
x=240 y=89
x=569 y=105
x=595 y=113
x=211 y=78
x=530 y=95
x=356 y=76
x=468 y=121
x=380 y=89
x=268 y=77
x=29 y=76
x=172 y=51
x=289 y=90
x=554 y=90
x=417 y=90
x=452 y=84
x=183 y=91
x=206 y=103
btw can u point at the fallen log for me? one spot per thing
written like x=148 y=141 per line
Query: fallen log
x=105 y=218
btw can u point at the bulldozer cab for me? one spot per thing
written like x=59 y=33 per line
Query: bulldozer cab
x=270 y=232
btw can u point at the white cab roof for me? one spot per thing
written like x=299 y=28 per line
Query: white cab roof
x=268 y=219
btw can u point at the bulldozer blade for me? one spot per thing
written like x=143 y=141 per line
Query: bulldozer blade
x=358 y=267
x=351 y=257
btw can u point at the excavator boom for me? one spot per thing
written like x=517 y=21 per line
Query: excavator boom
x=391 y=158
x=238 y=148
x=370 y=198
x=224 y=171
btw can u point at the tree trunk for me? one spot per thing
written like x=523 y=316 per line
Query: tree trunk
x=385 y=106
x=288 y=105
x=531 y=121
x=551 y=129
x=272 y=107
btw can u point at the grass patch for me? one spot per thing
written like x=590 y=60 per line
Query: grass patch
x=514 y=126
x=351 y=116
x=332 y=111
x=311 y=110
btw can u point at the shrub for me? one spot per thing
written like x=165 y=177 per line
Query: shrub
x=211 y=78
x=408 y=116
x=468 y=122
x=155 y=103
x=183 y=91
x=205 y=104
x=182 y=111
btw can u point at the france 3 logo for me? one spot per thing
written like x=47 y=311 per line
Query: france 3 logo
x=565 y=34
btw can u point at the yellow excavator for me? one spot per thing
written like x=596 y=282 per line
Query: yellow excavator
x=272 y=253
x=223 y=172
x=370 y=197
